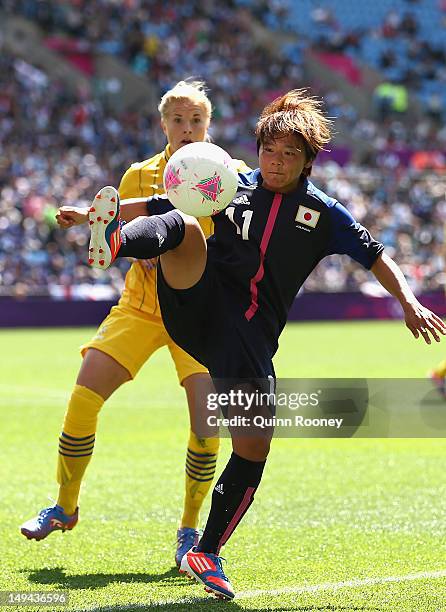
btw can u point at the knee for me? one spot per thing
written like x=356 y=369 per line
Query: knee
x=191 y=225
x=192 y=229
x=101 y=374
x=82 y=412
x=189 y=221
x=253 y=449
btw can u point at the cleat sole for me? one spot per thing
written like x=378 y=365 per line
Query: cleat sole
x=217 y=594
x=105 y=233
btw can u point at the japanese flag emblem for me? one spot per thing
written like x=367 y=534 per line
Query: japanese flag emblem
x=307 y=216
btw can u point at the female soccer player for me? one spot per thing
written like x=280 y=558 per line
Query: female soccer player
x=225 y=300
x=135 y=322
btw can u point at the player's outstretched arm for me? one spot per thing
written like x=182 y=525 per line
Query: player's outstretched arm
x=131 y=208
x=68 y=216
x=419 y=320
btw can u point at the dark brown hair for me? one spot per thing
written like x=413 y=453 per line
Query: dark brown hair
x=297 y=113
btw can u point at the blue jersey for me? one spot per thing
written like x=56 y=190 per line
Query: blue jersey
x=266 y=244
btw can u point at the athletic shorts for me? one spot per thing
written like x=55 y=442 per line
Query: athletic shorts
x=131 y=337
x=208 y=322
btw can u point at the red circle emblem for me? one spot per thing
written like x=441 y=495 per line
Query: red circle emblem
x=307 y=216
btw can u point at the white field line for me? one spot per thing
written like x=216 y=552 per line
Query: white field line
x=314 y=588
x=335 y=586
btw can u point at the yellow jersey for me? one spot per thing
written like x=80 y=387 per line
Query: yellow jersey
x=146 y=179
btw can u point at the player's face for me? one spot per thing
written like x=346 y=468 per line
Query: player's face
x=184 y=122
x=282 y=161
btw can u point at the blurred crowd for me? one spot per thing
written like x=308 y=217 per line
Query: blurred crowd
x=164 y=41
x=405 y=44
x=59 y=148
x=53 y=150
x=405 y=209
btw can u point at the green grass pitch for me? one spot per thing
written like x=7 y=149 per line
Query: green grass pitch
x=336 y=525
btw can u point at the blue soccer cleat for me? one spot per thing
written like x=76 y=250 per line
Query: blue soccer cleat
x=207 y=569
x=105 y=228
x=49 y=520
x=186 y=539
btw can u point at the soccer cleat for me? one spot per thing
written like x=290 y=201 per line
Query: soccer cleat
x=105 y=228
x=439 y=382
x=48 y=520
x=186 y=539
x=207 y=569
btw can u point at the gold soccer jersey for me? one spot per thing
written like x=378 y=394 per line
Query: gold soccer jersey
x=146 y=179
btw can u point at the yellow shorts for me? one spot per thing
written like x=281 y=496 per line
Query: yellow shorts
x=131 y=337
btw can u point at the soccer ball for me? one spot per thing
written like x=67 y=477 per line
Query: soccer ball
x=200 y=179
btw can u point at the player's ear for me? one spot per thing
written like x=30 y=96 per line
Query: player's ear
x=163 y=126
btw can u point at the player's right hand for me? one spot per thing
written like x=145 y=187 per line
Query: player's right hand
x=67 y=216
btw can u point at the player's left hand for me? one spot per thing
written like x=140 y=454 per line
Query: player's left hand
x=67 y=216
x=421 y=320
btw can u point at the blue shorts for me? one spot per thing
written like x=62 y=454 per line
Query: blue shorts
x=208 y=322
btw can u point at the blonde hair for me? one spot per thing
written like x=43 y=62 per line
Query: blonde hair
x=296 y=113
x=195 y=91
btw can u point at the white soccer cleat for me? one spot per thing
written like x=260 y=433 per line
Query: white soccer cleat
x=105 y=228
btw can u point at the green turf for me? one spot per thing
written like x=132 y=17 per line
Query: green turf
x=328 y=511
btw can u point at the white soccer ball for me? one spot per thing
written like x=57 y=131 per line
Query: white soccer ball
x=200 y=179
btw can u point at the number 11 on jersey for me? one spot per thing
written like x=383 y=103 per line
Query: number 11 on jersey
x=247 y=216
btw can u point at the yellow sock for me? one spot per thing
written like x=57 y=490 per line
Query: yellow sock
x=76 y=444
x=200 y=469
x=440 y=370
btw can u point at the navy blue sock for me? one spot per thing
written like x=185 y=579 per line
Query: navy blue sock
x=147 y=237
x=231 y=498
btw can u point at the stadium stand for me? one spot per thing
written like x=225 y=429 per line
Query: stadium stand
x=59 y=146
x=403 y=39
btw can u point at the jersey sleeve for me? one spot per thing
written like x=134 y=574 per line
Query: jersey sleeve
x=130 y=185
x=348 y=237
